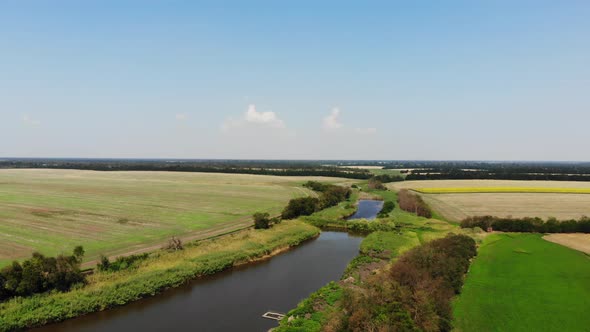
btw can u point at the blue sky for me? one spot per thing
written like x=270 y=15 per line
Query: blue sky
x=489 y=80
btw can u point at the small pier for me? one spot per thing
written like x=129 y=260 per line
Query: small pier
x=273 y=315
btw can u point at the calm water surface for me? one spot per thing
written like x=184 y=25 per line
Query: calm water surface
x=233 y=300
x=367 y=209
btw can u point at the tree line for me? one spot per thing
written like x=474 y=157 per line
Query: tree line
x=278 y=168
x=411 y=202
x=528 y=225
x=415 y=293
x=330 y=195
x=40 y=274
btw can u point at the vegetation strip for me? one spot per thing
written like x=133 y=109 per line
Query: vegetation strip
x=152 y=275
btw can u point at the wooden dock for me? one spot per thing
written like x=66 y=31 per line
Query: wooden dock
x=273 y=315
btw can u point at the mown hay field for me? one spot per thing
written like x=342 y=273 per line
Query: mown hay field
x=559 y=199
x=52 y=211
x=520 y=282
x=577 y=241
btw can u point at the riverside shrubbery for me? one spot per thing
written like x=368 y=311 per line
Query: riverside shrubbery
x=40 y=274
x=413 y=203
x=415 y=293
x=330 y=195
x=528 y=225
x=388 y=206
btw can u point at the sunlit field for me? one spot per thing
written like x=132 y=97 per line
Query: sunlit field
x=52 y=211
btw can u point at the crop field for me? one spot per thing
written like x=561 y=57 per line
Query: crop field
x=52 y=211
x=503 y=190
x=577 y=241
x=520 y=282
x=458 y=199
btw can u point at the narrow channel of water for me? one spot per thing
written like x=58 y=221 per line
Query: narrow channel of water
x=367 y=209
x=233 y=300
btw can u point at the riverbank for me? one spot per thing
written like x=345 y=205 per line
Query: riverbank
x=379 y=250
x=160 y=271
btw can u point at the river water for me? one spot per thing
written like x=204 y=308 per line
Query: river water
x=233 y=300
x=367 y=209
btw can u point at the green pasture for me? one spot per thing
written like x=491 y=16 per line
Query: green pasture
x=520 y=282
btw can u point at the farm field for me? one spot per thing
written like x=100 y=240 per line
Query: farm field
x=489 y=185
x=52 y=211
x=520 y=282
x=560 y=199
x=577 y=241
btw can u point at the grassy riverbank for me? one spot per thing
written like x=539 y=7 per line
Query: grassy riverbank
x=322 y=311
x=161 y=270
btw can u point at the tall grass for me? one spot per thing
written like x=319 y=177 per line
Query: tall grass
x=160 y=271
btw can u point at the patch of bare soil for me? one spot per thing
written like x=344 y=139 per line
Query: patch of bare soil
x=577 y=241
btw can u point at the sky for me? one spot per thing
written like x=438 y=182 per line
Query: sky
x=433 y=80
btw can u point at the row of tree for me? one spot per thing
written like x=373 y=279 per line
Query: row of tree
x=40 y=274
x=330 y=195
x=280 y=168
x=411 y=202
x=415 y=293
x=528 y=225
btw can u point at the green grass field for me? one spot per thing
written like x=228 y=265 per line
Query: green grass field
x=520 y=282
x=52 y=211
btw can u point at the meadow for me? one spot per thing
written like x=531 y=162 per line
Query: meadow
x=458 y=199
x=520 y=282
x=111 y=213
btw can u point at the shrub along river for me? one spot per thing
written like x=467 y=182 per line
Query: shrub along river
x=235 y=300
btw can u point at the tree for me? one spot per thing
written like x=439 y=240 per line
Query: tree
x=79 y=253
x=303 y=206
x=261 y=220
x=104 y=263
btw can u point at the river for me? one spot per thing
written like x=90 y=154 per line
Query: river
x=367 y=209
x=233 y=300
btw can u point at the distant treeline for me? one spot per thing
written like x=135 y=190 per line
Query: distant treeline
x=330 y=195
x=279 y=168
x=459 y=170
x=40 y=274
x=415 y=293
x=528 y=225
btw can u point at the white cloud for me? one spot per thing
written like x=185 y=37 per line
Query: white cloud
x=180 y=116
x=253 y=118
x=366 y=130
x=331 y=122
x=29 y=121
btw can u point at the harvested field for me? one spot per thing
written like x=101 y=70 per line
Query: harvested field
x=580 y=242
x=558 y=199
x=487 y=184
x=456 y=207
x=52 y=211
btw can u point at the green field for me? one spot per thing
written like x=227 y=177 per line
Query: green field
x=520 y=282
x=52 y=211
